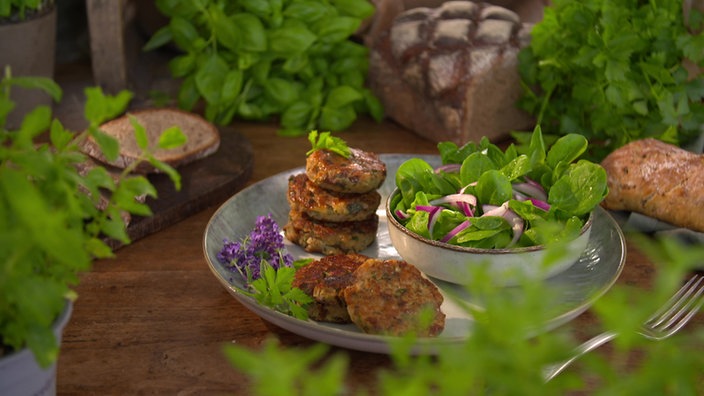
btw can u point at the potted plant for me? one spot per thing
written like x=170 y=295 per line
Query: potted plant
x=55 y=218
x=295 y=62
x=27 y=44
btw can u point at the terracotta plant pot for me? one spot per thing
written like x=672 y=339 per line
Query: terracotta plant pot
x=28 y=47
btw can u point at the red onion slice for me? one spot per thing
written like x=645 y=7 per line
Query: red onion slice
x=464 y=202
x=531 y=189
x=463 y=225
x=448 y=168
x=540 y=204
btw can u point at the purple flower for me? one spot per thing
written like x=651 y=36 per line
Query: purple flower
x=264 y=242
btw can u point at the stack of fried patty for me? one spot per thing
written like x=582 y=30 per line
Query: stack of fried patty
x=334 y=203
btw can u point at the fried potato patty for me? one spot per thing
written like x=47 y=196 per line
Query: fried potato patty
x=328 y=237
x=324 y=280
x=391 y=297
x=320 y=204
x=360 y=173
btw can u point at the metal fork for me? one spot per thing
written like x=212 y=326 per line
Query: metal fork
x=666 y=321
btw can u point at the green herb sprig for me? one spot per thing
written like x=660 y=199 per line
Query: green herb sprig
x=325 y=141
x=53 y=220
x=257 y=59
x=266 y=268
x=274 y=289
x=614 y=72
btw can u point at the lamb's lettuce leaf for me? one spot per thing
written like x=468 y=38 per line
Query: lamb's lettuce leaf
x=573 y=186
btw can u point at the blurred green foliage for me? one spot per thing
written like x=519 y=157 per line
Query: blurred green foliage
x=52 y=221
x=505 y=355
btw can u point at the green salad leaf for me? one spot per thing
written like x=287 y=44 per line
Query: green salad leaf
x=496 y=199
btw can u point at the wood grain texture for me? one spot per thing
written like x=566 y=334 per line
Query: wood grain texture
x=204 y=183
x=106 y=24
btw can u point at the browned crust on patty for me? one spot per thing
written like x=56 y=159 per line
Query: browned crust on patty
x=324 y=280
x=360 y=173
x=391 y=297
x=330 y=238
x=320 y=204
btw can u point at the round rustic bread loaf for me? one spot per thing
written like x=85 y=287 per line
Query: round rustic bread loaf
x=203 y=138
x=451 y=72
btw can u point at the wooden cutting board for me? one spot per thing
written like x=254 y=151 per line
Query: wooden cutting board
x=206 y=182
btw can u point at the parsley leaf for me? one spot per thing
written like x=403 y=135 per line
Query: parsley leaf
x=614 y=72
x=325 y=141
x=274 y=289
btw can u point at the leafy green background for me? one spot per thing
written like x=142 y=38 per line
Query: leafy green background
x=613 y=71
x=292 y=60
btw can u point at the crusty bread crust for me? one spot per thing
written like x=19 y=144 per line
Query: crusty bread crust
x=659 y=180
x=203 y=138
x=451 y=72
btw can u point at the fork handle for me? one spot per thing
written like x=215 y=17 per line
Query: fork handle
x=549 y=372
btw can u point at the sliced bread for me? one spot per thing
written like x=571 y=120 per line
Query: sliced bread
x=203 y=138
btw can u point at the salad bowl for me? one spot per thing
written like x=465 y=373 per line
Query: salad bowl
x=504 y=266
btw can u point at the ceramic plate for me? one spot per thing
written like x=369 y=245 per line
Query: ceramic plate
x=575 y=289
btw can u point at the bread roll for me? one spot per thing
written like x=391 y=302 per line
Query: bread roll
x=203 y=138
x=659 y=180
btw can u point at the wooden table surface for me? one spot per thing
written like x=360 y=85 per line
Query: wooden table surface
x=155 y=319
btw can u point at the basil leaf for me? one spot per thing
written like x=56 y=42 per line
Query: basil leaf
x=251 y=32
x=282 y=90
x=308 y=10
x=296 y=63
x=224 y=29
x=336 y=119
x=291 y=39
x=374 y=106
x=342 y=96
x=182 y=65
x=184 y=33
x=158 y=39
x=337 y=29
x=296 y=115
x=232 y=85
x=259 y=8
x=188 y=94
x=358 y=8
x=209 y=78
